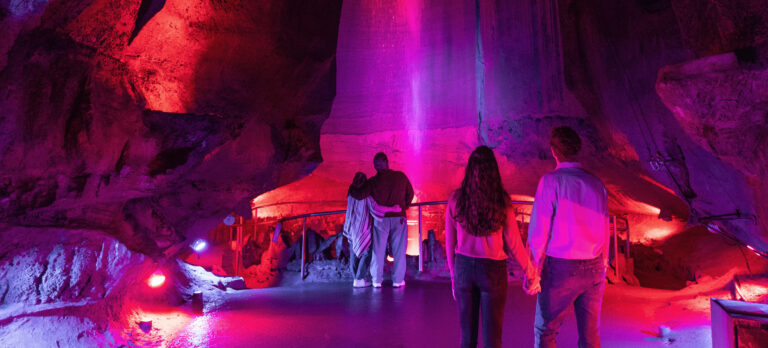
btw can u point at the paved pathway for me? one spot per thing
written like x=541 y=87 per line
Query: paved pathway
x=421 y=315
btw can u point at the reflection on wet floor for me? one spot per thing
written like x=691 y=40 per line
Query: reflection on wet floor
x=421 y=315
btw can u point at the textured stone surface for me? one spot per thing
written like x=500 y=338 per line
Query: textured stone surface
x=77 y=264
x=151 y=120
x=715 y=26
x=513 y=90
x=722 y=102
x=450 y=76
x=613 y=53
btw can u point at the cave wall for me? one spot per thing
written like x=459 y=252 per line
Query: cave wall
x=129 y=128
x=152 y=120
x=451 y=75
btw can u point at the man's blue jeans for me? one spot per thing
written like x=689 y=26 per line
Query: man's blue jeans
x=395 y=230
x=563 y=281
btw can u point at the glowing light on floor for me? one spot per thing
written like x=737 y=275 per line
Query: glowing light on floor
x=199 y=331
x=390 y=258
x=199 y=245
x=156 y=279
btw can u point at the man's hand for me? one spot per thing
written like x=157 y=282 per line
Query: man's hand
x=532 y=286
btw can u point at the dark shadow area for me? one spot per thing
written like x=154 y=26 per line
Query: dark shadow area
x=147 y=10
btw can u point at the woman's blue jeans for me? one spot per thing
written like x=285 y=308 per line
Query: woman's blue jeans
x=481 y=290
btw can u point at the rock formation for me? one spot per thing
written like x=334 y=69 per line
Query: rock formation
x=152 y=120
x=456 y=74
x=128 y=128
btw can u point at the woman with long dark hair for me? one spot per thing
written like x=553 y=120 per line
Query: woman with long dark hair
x=358 y=226
x=480 y=234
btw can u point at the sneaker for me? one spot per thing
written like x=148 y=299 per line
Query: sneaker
x=360 y=283
x=376 y=285
x=398 y=285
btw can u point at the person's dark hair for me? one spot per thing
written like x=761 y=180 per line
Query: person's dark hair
x=380 y=157
x=481 y=201
x=359 y=187
x=566 y=142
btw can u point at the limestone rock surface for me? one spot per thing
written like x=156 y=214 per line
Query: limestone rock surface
x=152 y=120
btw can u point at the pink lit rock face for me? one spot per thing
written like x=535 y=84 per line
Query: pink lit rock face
x=130 y=128
x=153 y=120
x=448 y=76
x=427 y=81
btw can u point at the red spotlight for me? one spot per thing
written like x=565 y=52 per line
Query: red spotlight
x=156 y=279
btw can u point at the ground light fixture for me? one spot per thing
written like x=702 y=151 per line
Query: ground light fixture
x=199 y=245
x=156 y=279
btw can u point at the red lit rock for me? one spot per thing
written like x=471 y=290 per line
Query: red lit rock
x=154 y=133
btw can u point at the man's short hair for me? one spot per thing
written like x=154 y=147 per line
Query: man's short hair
x=565 y=141
x=380 y=157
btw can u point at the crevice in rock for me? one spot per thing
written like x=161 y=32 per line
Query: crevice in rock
x=77 y=184
x=147 y=10
x=39 y=281
x=85 y=285
x=169 y=159
x=5 y=293
x=79 y=119
x=123 y=157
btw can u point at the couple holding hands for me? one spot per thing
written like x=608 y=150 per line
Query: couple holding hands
x=567 y=248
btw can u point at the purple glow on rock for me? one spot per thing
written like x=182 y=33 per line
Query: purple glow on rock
x=199 y=245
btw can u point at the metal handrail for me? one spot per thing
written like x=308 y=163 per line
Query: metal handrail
x=421 y=252
x=334 y=212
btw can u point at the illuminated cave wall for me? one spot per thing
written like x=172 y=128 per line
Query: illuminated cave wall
x=129 y=127
x=148 y=121
x=427 y=81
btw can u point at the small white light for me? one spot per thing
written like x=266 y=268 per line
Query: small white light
x=199 y=245
x=156 y=279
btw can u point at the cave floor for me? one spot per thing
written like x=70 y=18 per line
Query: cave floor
x=424 y=315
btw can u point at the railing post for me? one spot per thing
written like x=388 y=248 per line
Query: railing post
x=239 y=244
x=626 y=251
x=303 y=245
x=421 y=249
x=616 y=247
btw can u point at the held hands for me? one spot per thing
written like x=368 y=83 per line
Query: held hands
x=532 y=283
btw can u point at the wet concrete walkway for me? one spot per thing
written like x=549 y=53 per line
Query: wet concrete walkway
x=421 y=315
